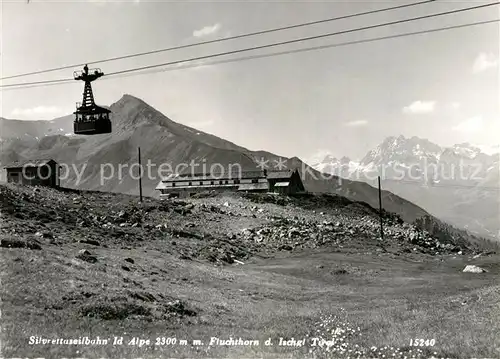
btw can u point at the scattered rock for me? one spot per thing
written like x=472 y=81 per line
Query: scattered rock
x=18 y=243
x=130 y=260
x=144 y=296
x=178 y=308
x=90 y=241
x=109 y=310
x=247 y=232
x=182 y=211
x=340 y=271
x=86 y=256
x=47 y=235
x=161 y=227
x=186 y=234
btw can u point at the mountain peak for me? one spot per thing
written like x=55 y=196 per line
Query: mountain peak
x=465 y=150
x=345 y=160
x=130 y=112
x=401 y=149
x=127 y=99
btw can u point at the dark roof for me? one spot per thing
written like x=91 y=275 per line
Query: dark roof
x=279 y=174
x=29 y=163
x=213 y=176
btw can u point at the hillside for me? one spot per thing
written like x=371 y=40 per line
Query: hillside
x=162 y=141
x=13 y=129
x=79 y=264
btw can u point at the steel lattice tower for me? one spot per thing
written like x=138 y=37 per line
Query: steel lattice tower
x=88 y=96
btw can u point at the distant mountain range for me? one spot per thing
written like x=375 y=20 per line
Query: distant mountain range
x=164 y=143
x=459 y=184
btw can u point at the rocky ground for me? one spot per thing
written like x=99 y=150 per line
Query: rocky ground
x=87 y=263
x=236 y=227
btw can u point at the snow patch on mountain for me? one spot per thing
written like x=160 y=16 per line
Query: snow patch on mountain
x=321 y=156
x=401 y=155
x=403 y=152
x=325 y=162
x=466 y=150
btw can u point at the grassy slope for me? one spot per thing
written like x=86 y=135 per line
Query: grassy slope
x=391 y=299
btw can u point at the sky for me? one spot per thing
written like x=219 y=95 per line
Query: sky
x=343 y=100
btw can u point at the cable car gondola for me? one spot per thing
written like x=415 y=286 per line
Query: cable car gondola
x=90 y=119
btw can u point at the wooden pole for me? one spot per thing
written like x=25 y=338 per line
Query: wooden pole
x=380 y=209
x=140 y=175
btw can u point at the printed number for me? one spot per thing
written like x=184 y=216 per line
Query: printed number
x=422 y=342
x=165 y=341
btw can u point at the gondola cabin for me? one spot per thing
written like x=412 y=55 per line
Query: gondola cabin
x=90 y=119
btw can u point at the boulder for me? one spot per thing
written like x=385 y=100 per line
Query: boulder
x=473 y=269
x=85 y=255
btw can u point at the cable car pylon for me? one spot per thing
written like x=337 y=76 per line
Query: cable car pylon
x=90 y=119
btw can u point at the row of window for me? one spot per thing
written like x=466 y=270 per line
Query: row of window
x=236 y=181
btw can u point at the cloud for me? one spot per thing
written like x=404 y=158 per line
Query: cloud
x=455 y=105
x=472 y=124
x=356 y=123
x=484 y=62
x=420 y=107
x=207 y=30
x=201 y=124
x=38 y=111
